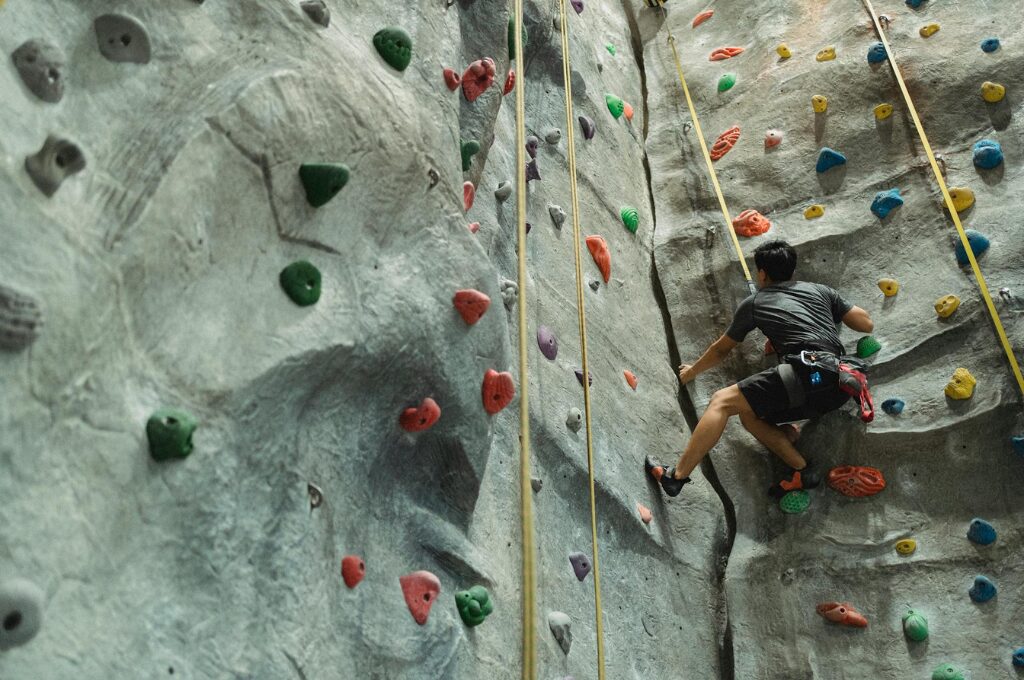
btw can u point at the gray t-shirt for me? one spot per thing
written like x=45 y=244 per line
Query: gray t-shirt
x=795 y=315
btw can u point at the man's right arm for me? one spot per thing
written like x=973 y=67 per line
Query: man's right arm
x=742 y=323
x=859 y=320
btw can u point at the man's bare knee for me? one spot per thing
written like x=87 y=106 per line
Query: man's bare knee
x=730 y=401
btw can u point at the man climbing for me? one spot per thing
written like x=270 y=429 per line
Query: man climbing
x=801 y=320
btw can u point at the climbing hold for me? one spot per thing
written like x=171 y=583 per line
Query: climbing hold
x=992 y=92
x=1017 y=442
x=52 y=164
x=532 y=170
x=503 y=191
x=122 y=39
x=474 y=605
x=961 y=385
x=301 y=283
x=946 y=305
x=353 y=569
x=415 y=419
x=725 y=53
x=883 y=111
x=451 y=79
x=577 y=5
x=40 y=64
x=574 y=421
x=471 y=305
x=420 y=589
x=510 y=82
x=1018 y=657
x=560 y=625
x=988 y=154
x=783 y=51
x=469 y=148
x=814 y=211
x=702 y=17
x=322 y=181
x=915 y=626
x=819 y=103
x=914 y=3
x=557 y=214
x=928 y=30
x=394 y=46
x=983 y=589
x=990 y=44
x=547 y=342
x=630 y=218
x=877 y=54
x=531 y=146
x=894 y=406
x=981 y=532
x=751 y=223
x=598 y=248
x=476 y=78
x=512 y=37
x=474 y=227
x=318 y=11
x=553 y=136
x=169 y=432
x=946 y=671
x=20 y=319
x=645 y=513
x=725 y=142
x=579 y=377
x=828 y=159
x=885 y=202
x=795 y=502
x=963 y=198
x=842 y=613
x=594 y=285
x=889 y=287
x=497 y=391
x=580 y=565
x=826 y=54
x=867 y=346
x=509 y=293
x=468 y=195
x=21 y=612
x=615 y=105
x=979 y=244
x=588 y=127
x=906 y=546
x=631 y=379
x=726 y=82
x=611 y=48
x=627 y=111
x=856 y=481
x=772 y=138
x=536 y=484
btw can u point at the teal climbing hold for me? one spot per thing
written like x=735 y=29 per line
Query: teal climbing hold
x=828 y=159
x=169 y=432
x=981 y=532
x=915 y=626
x=946 y=671
x=630 y=218
x=885 y=202
x=1017 y=441
x=726 y=82
x=470 y=147
x=990 y=44
x=877 y=54
x=867 y=346
x=611 y=48
x=615 y=105
x=474 y=605
x=301 y=282
x=394 y=46
x=983 y=589
x=322 y=181
x=988 y=154
x=979 y=244
x=795 y=502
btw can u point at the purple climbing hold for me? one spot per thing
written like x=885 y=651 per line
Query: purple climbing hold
x=531 y=146
x=532 y=172
x=577 y=5
x=579 y=376
x=580 y=564
x=547 y=342
x=588 y=127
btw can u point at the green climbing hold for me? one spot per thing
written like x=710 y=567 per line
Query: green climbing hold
x=322 y=181
x=947 y=671
x=301 y=282
x=726 y=82
x=394 y=46
x=169 y=432
x=512 y=37
x=630 y=218
x=915 y=626
x=615 y=105
x=469 y=149
x=867 y=346
x=795 y=502
x=474 y=605
x=611 y=50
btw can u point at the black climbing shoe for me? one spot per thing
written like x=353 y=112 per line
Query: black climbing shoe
x=807 y=478
x=663 y=474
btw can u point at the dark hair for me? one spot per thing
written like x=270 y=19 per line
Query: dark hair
x=777 y=259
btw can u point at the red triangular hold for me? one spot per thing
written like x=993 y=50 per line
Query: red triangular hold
x=498 y=390
x=598 y=248
x=353 y=569
x=420 y=589
x=471 y=304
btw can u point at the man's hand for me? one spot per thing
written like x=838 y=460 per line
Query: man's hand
x=686 y=374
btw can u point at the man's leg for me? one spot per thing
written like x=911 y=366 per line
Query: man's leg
x=725 y=403
x=774 y=438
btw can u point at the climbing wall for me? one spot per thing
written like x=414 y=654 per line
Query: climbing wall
x=944 y=461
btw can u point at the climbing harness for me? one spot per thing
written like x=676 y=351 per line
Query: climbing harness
x=982 y=286
x=850 y=373
x=574 y=193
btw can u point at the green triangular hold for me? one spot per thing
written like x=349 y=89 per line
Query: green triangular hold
x=630 y=218
x=726 y=82
x=322 y=181
x=394 y=46
x=611 y=48
x=469 y=149
x=795 y=502
x=615 y=105
x=169 y=432
x=867 y=346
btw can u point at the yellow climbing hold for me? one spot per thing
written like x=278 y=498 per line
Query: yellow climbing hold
x=889 y=287
x=826 y=54
x=906 y=546
x=928 y=30
x=961 y=385
x=946 y=305
x=992 y=92
x=963 y=198
x=783 y=51
x=883 y=111
x=813 y=211
x=819 y=103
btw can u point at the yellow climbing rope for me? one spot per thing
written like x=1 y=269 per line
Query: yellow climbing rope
x=526 y=499
x=574 y=192
x=1000 y=331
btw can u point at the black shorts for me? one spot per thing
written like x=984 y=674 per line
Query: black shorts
x=767 y=396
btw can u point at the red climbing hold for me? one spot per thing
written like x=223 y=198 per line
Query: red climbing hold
x=471 y=304
x=725 y=142
x=423 y=418
x=630 y=379
x=451 y=79
x=420 y=589
x=474 y=227
x=842 y=613
x=477 y=78
x=856 y=481
x=353 y=569
x=702 y=17
x=598 y=248
x=725 y=53
x=468 y=195
x=498 y=390
x=627 y=110
x=751 y=223
x=769 y=348
x=510 y=82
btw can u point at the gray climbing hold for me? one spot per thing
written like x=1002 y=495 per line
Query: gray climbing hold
x=553 y=136
x=594 y=285
x=318 y=11
x=547 y=342
x=41 y=67
x=561 y=627
x=557 y=214
x=55 y=162
x=532 y=171
x=509 y=292
x=122 y=39
x=21 y=612
x=531 y=146
x=580 y=565
x=574 y=421
x=503 y=191
x=536 y=483
x=20 y=319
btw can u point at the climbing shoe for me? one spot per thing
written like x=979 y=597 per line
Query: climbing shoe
x=807 y=478
x=663 y=474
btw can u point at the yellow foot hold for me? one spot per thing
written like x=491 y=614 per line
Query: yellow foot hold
x=826 y=54
x=961 y=385
x=783 y=51
x=946 y=305
x=813 y=211
x=889 y=287
x=883 y=111
x=819 y=103
x=963 y=198
x=992 y=92
x=906 y=546
x=928 y=30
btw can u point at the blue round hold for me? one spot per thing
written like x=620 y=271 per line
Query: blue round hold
x=876 y=53
x=988 y=154
x=983 y=589
x=990 y=44
x=1018 y=657
x=981 y=532
x=979 y=244
x=893 y=406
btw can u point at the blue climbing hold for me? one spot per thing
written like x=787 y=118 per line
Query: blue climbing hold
x=915 y=3
x=1018 y=445
x=981 y=532
x=885 y=202
x=990 y=44
x=876 y=53
x=983 y=589
x=828 y=159
x=979 y=244
x=893 y=406
x=988 y=154
x=1018 y=657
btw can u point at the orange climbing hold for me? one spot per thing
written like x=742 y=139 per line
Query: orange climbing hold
x=477 y=78
x=842 y=613
x=751 y=223
x=630 y=379
x=856 y=481
x=418 y=419
x=645 y=513
x=510 y=82
x=627 y=110
x=420 y=589
x=468 y=195
x=725 y=53
x=702 y=17
x=598 y=248
x=725 y=142
x=471 y=304
x=451 y=79
x=498 y=390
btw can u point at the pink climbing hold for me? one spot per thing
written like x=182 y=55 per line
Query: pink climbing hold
x=353 y=569
x=471 y=304
x=751 y=223
x=420 y=589
x=415 y=419
x=702 y=17
x=725 y=53
x=598 y=248
x=498 y=390
x=627 y=110
x=772 y=138
x=630 y=379
x=725 y=142
x=451 y=79
x=468 y=195
x=645 y=513
x=510 y=82
x=477 y=78
x=474 y=227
